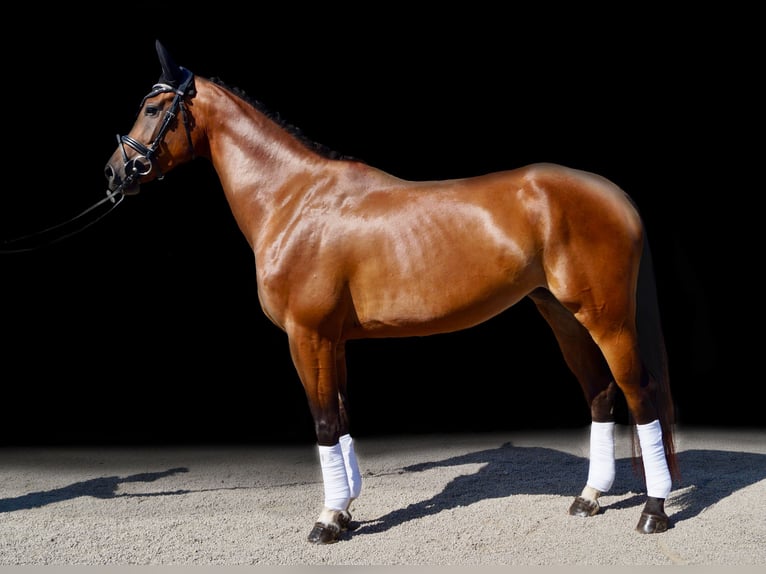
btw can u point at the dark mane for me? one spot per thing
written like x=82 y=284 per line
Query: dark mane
x=321 y=149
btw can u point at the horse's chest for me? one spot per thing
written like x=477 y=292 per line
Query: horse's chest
x=302 y=295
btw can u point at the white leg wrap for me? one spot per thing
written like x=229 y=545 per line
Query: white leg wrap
x=336 y=491
x=601 y=469
x=658 y=481
x=352 y=466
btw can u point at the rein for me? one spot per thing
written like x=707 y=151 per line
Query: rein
x=136 y=167
x=115 y=197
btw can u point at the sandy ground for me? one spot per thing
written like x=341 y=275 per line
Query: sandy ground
x=471 y=500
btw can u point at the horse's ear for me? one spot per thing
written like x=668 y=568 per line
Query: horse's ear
x=172 y=74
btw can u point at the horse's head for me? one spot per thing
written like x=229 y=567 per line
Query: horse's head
x=161 y=136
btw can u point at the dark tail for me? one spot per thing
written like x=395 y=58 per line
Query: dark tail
x=654 y=355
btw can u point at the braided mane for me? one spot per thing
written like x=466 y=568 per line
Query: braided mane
x=296 y=132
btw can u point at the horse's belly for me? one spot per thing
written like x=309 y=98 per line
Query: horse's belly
x=423 y=307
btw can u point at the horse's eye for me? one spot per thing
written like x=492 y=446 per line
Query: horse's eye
x=152 y=110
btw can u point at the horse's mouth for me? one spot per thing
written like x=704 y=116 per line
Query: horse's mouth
x=131 y=189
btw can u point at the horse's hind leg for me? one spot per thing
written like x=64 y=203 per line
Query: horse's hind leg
x=621 y=349
x=585 y=360
x=612 y=326
x=601 y=348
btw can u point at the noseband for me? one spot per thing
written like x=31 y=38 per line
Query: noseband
x=143 y=163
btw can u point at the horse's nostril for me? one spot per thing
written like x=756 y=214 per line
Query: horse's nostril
x=108 y=172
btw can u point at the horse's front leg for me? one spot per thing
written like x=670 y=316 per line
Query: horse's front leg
x=320 y=363
x=346 y=442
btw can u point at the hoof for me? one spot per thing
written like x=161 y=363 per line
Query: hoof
x=329 y=526
x=584 y=507
x=652 y=523
x=324 y=533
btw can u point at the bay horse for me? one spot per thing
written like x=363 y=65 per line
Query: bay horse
x=346 y=251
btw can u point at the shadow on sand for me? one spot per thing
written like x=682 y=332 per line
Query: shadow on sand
x=709 y=476
x=104 y=487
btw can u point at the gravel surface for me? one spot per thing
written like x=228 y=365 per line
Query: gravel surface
x=435 y=500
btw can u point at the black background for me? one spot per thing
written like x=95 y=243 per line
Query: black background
x=146 y=328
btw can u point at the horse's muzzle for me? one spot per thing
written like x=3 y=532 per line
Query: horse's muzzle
x=129 y=185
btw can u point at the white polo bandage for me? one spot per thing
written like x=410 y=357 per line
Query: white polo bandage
x=336 y=492
x=658 y=481
x=353 y=475
x=601 y=469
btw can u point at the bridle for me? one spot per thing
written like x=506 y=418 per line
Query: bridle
x=135 y=167
x=143 y=163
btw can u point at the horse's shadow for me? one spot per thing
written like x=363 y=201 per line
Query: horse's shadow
x=708 y=476
x=103 y=487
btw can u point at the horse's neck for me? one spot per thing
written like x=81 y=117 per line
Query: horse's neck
x=259 y=164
